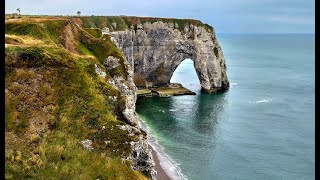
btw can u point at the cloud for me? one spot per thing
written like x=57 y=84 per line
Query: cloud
x=225 y=15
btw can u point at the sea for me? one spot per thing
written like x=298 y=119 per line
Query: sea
x=263 y=127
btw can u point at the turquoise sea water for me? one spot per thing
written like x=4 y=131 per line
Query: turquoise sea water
x=261 y=128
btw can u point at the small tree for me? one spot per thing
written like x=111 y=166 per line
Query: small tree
x=18 y=9
x=79 y=13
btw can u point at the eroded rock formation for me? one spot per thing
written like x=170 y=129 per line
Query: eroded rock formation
x=156 y=49
x=140 y=155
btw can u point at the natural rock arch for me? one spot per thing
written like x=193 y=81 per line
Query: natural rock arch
x=156 y=49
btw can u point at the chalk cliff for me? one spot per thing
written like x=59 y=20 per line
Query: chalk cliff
x=155 y=49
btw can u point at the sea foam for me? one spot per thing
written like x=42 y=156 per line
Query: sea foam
x=260 y=101
x=233 y=85
x=171 y=168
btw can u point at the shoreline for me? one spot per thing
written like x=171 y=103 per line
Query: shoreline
x=161 y=174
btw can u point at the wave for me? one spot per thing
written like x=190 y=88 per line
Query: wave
x=233 y=84
x=260 y=101
x=168 y=165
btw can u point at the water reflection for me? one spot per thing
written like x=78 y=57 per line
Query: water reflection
x=207 y=114
x=197 y=141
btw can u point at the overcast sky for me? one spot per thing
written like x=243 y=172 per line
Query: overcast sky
x=226 y=16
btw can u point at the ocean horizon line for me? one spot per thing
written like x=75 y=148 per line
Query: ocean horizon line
x=263 y=33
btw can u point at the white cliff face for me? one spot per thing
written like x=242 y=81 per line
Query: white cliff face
x=140 y=156
x=156 y=49
x=126 y=87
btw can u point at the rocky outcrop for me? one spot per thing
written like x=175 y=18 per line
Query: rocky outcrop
x=141 y=158
x=126 y=87
x=156 y=49
x=140 y=155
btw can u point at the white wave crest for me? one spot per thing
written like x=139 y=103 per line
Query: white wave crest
x=261 y=101
x=168 y=165
x=233 y=84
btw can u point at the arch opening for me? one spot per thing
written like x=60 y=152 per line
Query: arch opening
x=186 y=75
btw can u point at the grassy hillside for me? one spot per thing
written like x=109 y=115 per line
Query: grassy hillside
x=55 y=99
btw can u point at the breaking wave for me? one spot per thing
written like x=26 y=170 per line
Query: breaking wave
x=261 y=101
x=233 y=84
x=171 y=168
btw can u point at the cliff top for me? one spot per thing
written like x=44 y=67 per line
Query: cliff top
x=122 y=22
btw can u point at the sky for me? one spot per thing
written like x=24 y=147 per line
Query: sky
x=226 y=16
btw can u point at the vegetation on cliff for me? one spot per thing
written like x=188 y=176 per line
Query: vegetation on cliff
x=120 y=23
x=54 y=99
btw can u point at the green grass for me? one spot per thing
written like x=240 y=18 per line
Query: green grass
x=102 y=49
x=71 y=100
x=208 y=27
x=121 y=24
x=125 y=22
x=48 y=31
x=82 y=108
x=84 y=50
x=59 y=156
x=31 y=29
x=10 y=123
x=104 y=21
x=38 y=57
x=11 y=40
x=94 y=32
x=87 y=43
